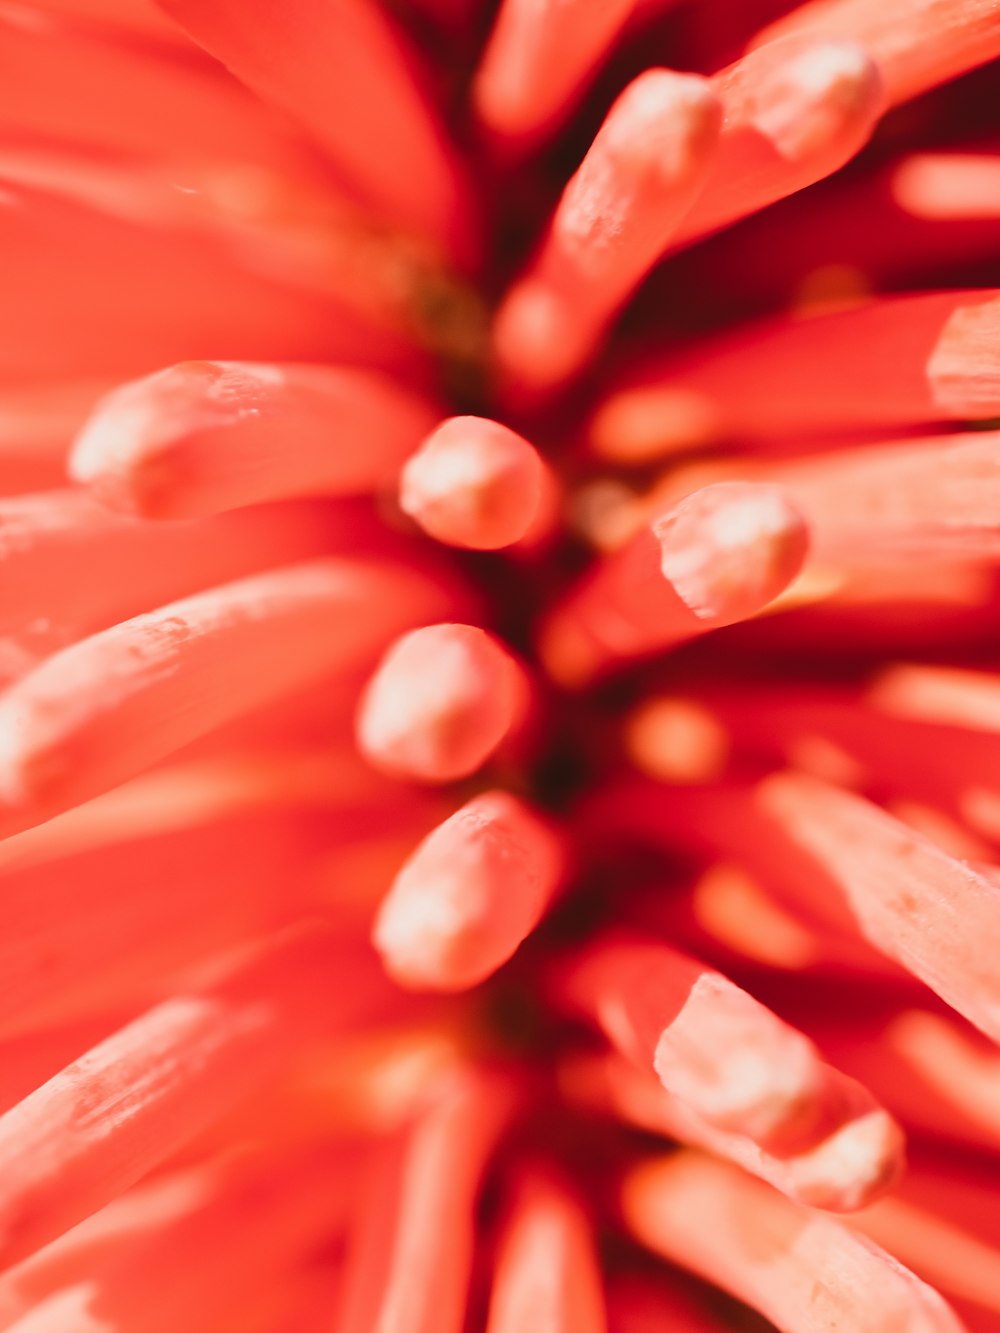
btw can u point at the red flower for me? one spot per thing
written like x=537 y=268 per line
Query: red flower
x=368 y=908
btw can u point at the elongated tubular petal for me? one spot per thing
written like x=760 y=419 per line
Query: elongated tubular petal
x=878 y=735
x=195 y=792
x=469 y=894
x=547 y=1276
x=735 y=823
x=106 y=1120
x=730 y=1060
x=475 y=483
x=30 y=1060
x=442 y=700
x=804 y=1271
x=793 y=112
x=217 y=1265
x=371 y=1082
x=207 y=436
x=899 y=360
x=730 y=822
x=884 y=604
x=73 y=87
x=734 y=910
x=882 y=503
x=943 y=1228
x=948 y=186
x=411 y=1248
x=73 y=1257
x=109 y=706
x=296 y=232
x=936 y=360
x=947 y=696
x=921 y=209
x=98 y=931
x=938 y=495
x=718 y=556
x=100 y=295
x=856 y=1163
x=933 y=914
x=345 y=76
x=614 y=220
x=121 y=566
x=917 y=43
x=935 y=1072
x=538 y=59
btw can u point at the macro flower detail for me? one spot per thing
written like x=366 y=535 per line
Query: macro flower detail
x=499 y=701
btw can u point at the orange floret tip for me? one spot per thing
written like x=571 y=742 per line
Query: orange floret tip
x=917 y=43
x=443 y=699
x=857 y=1162
x=469 y=895
x=475 y=483
x=727 y=1058
x=718 y=556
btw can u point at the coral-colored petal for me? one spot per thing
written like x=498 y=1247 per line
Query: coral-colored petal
x=895 y=361
x=731 y=1061
x=203 y=437
x=106 y=1120
x=930 y=912
x=109 y=706
x=347 y=78
x=803 y=1271
x=409 y=1260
